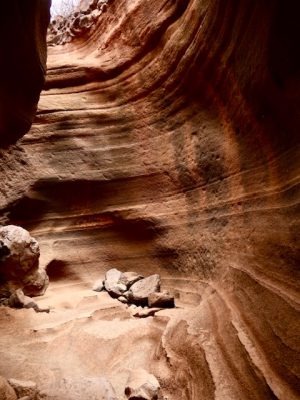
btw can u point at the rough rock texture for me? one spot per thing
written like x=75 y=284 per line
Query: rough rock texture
x=19 y=262
x=23 y=27
x=79 y=21
x=168 y=142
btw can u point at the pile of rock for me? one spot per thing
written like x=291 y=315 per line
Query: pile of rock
x=63 y=29
x=132 y=288
x=13 y=389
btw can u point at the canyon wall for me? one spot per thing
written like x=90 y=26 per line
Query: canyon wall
x=167 y=140
x=23 y=28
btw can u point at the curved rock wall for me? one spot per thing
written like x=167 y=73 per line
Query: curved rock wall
x=23 y=28
x=168 y=140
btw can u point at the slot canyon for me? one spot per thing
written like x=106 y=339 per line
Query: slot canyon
x=162 y=138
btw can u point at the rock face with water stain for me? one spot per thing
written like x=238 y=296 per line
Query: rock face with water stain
x=167 y=141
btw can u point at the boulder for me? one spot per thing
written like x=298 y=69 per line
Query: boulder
x=141 y=290
x=112 y=277
x=161 y=299
x=24 y=388
x=19 y=262
x=142 y=386
x=98 y=286
x=129 y=278
x=113 y=282
x=6 y=391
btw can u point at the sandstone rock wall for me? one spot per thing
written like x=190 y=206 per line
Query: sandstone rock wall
x=23 y=27
x=167 y=139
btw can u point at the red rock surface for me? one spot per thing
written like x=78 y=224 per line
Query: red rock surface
x=167 y=141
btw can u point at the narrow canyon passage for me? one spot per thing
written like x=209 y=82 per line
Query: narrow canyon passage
x=166 y=141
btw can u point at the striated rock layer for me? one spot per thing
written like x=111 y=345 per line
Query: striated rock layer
x=167 y=141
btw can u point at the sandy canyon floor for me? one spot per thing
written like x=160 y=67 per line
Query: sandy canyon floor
x=87 y=335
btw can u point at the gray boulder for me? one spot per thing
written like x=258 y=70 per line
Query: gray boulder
x=112 y=278
x=141 y=290
x=113 y=282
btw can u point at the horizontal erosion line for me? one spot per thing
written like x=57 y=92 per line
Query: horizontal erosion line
x=195 y=216
x=162 y=225
x=282 y=289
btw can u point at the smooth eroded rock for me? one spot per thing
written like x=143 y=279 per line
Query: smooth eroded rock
x=19 y=300
x=83 y=389
x=142 y=312
x=24 y=388
x=142 y=386
x=98 y=286
x=6 y=391
x=123 y=299
x=23 y=47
